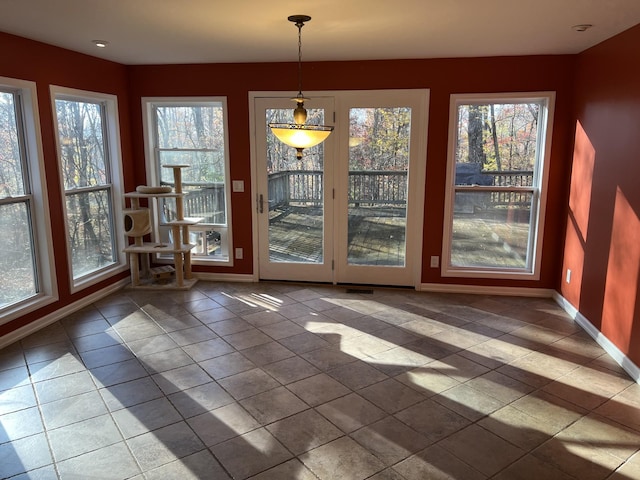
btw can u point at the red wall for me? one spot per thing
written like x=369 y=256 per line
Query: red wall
x=442 y=76
x=47 y=65
x=602 y=241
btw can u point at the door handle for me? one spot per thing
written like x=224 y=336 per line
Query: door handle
x=261 y=204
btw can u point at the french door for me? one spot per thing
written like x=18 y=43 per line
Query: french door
x=349 y=211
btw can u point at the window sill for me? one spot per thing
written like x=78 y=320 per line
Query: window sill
x=490 y=273
x=26 y=306
x=98 y=276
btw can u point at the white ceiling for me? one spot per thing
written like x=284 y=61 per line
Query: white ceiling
x=211 y=31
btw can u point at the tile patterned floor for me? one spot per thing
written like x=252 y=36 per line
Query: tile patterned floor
x=279 y=381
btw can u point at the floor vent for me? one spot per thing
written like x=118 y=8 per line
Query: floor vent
x=360 y=290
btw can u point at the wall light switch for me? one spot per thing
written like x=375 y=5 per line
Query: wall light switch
x=435 y=261
x=237 y=185
x=239 y=253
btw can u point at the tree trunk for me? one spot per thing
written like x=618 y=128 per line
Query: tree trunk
x=494 y=135
x=476 y=150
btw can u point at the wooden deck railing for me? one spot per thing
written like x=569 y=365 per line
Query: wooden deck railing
x=365 y=188
x=511 y=179
x=205 y=200
x=378 y=187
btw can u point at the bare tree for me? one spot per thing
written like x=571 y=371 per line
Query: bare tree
x=477 y=154
x=494 y=136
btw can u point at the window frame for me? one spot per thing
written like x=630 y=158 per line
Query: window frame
x=37 y=199
x=113 y=156
x=152 y=162
x=538 y=188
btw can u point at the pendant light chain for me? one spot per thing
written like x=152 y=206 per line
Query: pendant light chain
x=300 y=25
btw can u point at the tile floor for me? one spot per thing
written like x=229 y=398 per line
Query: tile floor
x=279 y=381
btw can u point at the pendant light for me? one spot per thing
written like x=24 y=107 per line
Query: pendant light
x=299 y=134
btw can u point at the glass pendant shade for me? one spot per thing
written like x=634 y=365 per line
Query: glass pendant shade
x=299 y=134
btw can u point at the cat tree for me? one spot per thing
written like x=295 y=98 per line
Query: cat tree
x=138 y=224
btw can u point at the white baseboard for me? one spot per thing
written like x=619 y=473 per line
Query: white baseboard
x=59 y=314
x=607 y=345
x=486 y=290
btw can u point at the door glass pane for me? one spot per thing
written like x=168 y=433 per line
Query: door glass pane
x=295 y=195
x=17 y=281
x=89 y=219
x=378 y=175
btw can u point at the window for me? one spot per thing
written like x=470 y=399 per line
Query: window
x=498 y=148
x=88 y=150
x=192 y=132
x=26 y=259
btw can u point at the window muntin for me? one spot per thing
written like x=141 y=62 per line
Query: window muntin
x=496 y=157
x=193 y=133
x=86 y=125
x=26 y=271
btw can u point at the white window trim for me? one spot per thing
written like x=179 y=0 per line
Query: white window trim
x=540 y=181
x=41 y=222
x=117 y=181
x=153 y=174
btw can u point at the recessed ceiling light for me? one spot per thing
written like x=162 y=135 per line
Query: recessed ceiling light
x=583 y=27
x=100 y=43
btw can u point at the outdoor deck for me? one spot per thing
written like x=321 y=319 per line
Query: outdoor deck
x=376 y=235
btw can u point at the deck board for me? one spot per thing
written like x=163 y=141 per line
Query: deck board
x=376 y=235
